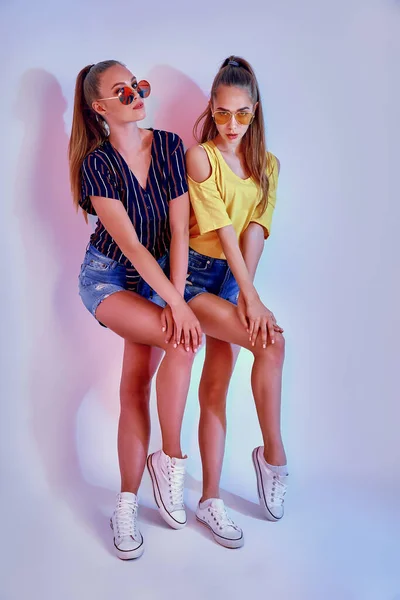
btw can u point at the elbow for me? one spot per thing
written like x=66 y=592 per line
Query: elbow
x=131 y=248
x=181 y=232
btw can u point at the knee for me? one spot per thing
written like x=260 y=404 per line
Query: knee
x=135 y=392
x=275 y=353
x=182 y=358
x=213 y=394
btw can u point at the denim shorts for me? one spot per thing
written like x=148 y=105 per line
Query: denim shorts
x=101 y=276
x=210 y=275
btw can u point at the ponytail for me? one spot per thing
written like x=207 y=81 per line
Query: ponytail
x=89 y=129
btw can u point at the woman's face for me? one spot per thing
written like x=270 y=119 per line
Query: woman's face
x=113 y=110
x=234 y=100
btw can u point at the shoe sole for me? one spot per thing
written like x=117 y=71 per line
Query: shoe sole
x=128 y=554
x=260 y=489
x=226 y=542
x=157 y=497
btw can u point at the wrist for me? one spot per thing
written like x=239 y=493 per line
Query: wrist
x=175 y=300
x=179 y=286
x=249 y=293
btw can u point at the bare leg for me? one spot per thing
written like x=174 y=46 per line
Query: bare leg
x=217 y=371
x=218 y=319
x=173 y=379
x=139 y=365
x=138 y=321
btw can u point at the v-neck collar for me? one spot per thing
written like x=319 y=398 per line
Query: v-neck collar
x=144 y=189
x=247 y=180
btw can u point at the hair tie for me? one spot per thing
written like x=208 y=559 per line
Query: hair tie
x=234 y=63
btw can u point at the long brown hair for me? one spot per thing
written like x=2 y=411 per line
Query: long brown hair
x=237 y=72
x=89 y=129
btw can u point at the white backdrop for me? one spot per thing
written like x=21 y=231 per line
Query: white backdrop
x=329 y=79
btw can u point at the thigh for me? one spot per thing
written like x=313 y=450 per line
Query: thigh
x=219 y=319
x=134 y=318
x=139 y=365
x=219 y=361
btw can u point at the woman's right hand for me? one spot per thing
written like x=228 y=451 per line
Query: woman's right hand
x=186 y=326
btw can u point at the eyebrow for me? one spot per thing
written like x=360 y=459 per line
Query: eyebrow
x=238 y=110
x=123 y=82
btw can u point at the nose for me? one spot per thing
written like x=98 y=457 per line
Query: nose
x=232 y=124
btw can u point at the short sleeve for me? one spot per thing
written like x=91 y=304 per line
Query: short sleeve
x=207 y=203
x=97 y=180
x=177 y=184
x=265 y=220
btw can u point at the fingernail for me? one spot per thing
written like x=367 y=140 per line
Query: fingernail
x=273 y=341
x=195 y=350
x=166 y=341
x=163 y=328
x=175 y=345
x=264 y=345
x=187 y=349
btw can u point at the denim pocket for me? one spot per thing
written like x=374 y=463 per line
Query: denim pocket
x=198 y=262
x=97 y=264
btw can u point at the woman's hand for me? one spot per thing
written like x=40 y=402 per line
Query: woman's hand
x=186 y=326
x=256 y=317
x=167 y=323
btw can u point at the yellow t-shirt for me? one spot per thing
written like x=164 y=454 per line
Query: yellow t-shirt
x=226 y=199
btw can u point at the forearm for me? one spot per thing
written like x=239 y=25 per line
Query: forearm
x=252 y=247
x=236 y=261
x=179 y=260
x=148 y=268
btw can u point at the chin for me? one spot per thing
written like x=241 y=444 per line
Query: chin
x=138 y=115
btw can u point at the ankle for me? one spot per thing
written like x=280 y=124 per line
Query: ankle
x=208 y=495
x=275 y=455
x=172 y=451
x=128 y=487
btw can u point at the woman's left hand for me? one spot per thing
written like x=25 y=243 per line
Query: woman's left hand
x=242 y=314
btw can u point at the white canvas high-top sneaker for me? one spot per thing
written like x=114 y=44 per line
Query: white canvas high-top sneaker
x=128 y=540
x=168 y=479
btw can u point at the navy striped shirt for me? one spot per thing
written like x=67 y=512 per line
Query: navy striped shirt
x=105 y=173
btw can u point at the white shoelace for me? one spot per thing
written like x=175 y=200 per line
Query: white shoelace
x=221 y=518
x=125 y=518
x=277 y=491
x=176 y=477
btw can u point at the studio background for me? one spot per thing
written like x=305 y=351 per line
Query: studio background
x=328 y=74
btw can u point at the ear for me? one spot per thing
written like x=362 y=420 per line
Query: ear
x=99 y=108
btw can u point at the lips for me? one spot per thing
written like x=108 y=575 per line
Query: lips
x=138 y=106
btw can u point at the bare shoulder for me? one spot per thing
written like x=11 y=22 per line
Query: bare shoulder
x=197 y=164
x=271 y=158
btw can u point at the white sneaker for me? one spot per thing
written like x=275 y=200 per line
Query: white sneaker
x=271 y=487
x=168 y=478
x=224 y=530
x=128 y=540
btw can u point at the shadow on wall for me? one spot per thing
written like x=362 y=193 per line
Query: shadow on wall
x=69 y=353
x=180 y=102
